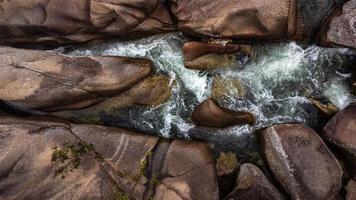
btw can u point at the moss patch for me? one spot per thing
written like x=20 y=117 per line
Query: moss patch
x=68 y=157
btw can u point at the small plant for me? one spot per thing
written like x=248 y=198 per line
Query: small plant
x=69 y=157
x=119 y=195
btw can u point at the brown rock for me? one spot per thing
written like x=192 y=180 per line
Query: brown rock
x=252 y=184
x=55 y=23
x=51 y=81
x=236 y=19
x=200 y=55
x=340 y=28
x=354 y=79
x=190 y=171
x=151 y=91
x=226 y=167
x=327 y=108
x=227 y=87
x=210 y=114
x=98 y=163
x=341 y=131
x=301 y=162
x=351 y=190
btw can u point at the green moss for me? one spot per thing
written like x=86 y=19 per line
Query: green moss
x=69 y=157
x=144 y=163
x=119 y=195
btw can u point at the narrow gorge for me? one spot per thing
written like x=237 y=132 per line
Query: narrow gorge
x=178 y=99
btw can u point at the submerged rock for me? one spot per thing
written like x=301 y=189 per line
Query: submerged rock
x=226 y=167
x=301 y=162
x=341 y=131
x=226 y=88
x=67 y=161
x=151 y=91
x=252 y=184
x=340 y=28
x=210 y=114
x=200 y=55
x=325 y=106
x=49 y=81
x=55 y=23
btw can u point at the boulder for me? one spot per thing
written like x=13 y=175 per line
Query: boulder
x=180 y=169
x=340 y=27
x=210 y=114
x=55 y=23
x=301 y=162
x=236 y=19
x=252 y=184
x=341 y=131
x=150 y=92
x=52 y=160
x=200 y=55
x=351 y=190
x=49 y=81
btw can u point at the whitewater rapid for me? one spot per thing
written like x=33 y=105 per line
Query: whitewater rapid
x=279 y=80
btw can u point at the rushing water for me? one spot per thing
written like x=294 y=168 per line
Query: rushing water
x=279 y=79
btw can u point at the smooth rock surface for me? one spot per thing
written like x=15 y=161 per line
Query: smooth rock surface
x=115 y=166
x=301 y=162
x=341 y=131
x=55 y=23
x=205 y=56
x=340 y=28
x=210 y=114
x=238 y=19
x=49 y=81
x=150 y=92
x=252 y=184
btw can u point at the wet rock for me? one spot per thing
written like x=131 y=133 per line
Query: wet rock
x=340 y=28
x=354 y=80
x=181 y=168
x=351 y=190
x=237 y=19
x=69 y=161
x=200 y=55
x=226 y=167
x=325 y=106
x=301 y=162
x=150 y=92
x=252 y=184
x=341 y=131
x=226 y=88
x=49 y=81
x=210 y=114
x=54 y=23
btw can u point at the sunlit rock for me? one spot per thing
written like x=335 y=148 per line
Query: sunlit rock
x=49 y=81
x=324 y=106
x=55 y=23
x=236 y=19
x=224 y=88
x=341 y=131
x=252 y=184
x=301 y=162
x=205 y=56
x=340 y=28
x=67 y=161
x=210 y=114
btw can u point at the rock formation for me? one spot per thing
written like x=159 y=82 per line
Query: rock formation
x=50 y=160
x=56 y=23
x=49 y=81
x=210 y=114
x=301 y=162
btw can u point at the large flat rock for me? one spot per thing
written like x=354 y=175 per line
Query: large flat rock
x=50 y=81
x=75 y=21
x=50 y=160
